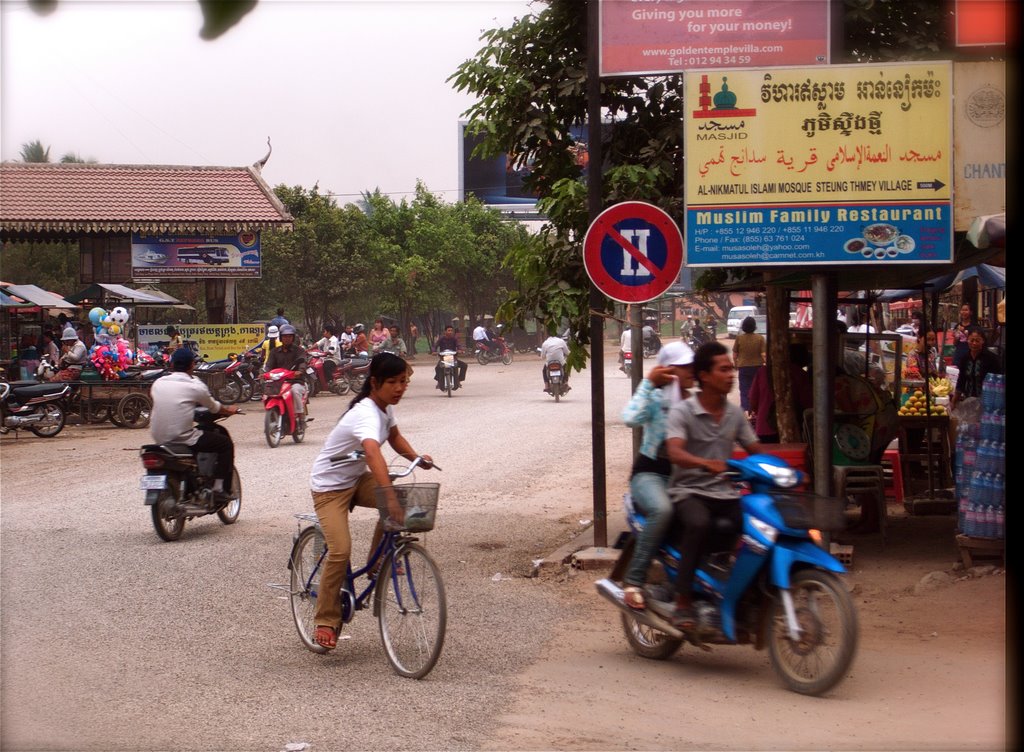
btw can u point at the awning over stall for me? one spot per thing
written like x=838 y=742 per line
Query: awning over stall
x=37 y=296
x=104 y=291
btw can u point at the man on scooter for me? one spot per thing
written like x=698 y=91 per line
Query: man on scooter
x=554 y=348
x=448 y=341
x=701 y=433
x=328 y=345
x=291 y=356
x=74 y=358
x=172 y=420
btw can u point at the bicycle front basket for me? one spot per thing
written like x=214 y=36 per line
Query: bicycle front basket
x=418 y=502
x=806 y=511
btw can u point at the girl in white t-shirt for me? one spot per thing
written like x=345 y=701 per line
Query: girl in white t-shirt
x=336 y=486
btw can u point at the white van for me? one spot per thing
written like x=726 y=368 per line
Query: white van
x=736 y=316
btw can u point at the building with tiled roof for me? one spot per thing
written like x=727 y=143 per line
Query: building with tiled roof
x=43 y=200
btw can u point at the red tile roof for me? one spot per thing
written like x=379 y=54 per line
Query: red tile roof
x=143 y=198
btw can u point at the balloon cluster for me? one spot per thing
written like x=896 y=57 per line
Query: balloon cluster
x=111 y=354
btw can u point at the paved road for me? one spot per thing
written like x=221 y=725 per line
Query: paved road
x=113 y=639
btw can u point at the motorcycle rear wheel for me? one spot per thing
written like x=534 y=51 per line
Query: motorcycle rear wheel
x=229 y=514
x=168 y=528
x=828 y=620
x=272 y=427
x=648 y=642
x=230 y=393
x=482 y=358
x=54 y=421
x=507 y=358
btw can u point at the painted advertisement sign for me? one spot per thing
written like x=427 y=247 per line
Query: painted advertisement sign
x=845 y=164
x=643 y=37
x=215 y=341
x=979 y=129
x=167 y=257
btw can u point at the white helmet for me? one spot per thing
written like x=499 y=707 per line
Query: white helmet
x=272 y=332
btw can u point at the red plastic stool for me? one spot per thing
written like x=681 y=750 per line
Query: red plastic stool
x=894 y=490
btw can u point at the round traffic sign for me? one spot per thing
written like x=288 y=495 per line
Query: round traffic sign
x=633 y=252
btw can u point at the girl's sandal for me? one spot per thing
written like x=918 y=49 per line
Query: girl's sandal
x=633 y=597
x=326 y=637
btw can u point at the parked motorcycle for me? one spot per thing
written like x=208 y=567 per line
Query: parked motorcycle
x=499 y=351
x=557 y=386
x=280 y=418
x=339 y=381
x=37 y=407
x=773 y=586
x=449 y=371
x=230 y=391
x=355 y=371
x=179 y=484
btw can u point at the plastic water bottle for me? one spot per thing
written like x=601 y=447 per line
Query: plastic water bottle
x=961 y=513
x=971 y=521
x=1000 y=524
x=1000 y=458
x=1000 y=391
x=988 y=392
x=999 y=491
x=986 y=426
x=970 y=451
x=983 y=463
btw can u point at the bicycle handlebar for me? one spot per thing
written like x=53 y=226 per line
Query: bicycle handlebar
x=359 y=454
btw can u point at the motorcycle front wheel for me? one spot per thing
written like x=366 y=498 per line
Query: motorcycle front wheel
x=53 y=422
x=229 y=514
x=481 y=358
x=828 y=634
x=272 y=427
x=448 y=386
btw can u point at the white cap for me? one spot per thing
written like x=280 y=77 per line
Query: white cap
x=675 y=354
x=69 y=334
x=272 y=332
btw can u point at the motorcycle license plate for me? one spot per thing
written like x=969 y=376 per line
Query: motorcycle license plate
x=153 y=482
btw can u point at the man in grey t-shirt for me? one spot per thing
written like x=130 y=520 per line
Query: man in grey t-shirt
x=700 y=437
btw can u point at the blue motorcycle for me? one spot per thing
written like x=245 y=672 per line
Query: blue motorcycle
x=769 y=584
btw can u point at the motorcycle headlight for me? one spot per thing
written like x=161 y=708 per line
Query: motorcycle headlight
x=783 y=477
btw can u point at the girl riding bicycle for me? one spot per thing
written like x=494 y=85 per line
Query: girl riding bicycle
x=338 y=487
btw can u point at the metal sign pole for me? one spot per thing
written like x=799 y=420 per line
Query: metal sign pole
x=594 y=191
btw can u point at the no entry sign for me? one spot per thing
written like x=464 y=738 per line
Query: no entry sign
x=633 y=252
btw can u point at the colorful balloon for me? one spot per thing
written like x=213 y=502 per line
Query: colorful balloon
x=96 y=315
x=119 y=315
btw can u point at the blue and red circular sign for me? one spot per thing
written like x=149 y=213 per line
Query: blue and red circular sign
x=633 y=252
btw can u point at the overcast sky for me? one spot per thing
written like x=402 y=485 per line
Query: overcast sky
x=352 y=93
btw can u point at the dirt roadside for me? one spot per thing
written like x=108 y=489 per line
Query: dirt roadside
x=930 y=672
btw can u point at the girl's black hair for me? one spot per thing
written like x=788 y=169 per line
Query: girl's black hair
x=383 y=366
x=749 y=325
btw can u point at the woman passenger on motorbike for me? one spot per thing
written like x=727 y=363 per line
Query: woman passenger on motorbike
x=380 y=337
x=337 y=487
x=665 y=384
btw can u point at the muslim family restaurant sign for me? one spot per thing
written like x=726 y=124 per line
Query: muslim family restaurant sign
x=825 y=165
x=645 y=37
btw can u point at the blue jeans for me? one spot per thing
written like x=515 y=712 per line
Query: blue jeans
x=650 y=495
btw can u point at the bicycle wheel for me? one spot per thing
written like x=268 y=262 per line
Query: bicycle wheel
x=411 y=610
x=305 y=564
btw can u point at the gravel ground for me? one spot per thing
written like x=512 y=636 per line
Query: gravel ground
x=115 y=640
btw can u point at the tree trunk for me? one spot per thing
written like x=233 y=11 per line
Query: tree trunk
x=777 y=300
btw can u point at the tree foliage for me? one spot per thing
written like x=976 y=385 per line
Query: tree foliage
x=34 y=151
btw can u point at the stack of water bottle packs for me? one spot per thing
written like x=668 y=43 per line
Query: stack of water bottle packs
x=981 y=466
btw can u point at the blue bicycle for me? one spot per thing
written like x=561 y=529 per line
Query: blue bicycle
x=408 y=596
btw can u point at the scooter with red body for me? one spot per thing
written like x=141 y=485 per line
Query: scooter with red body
x=279 y=404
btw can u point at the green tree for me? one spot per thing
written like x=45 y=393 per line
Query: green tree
x=34 y=151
